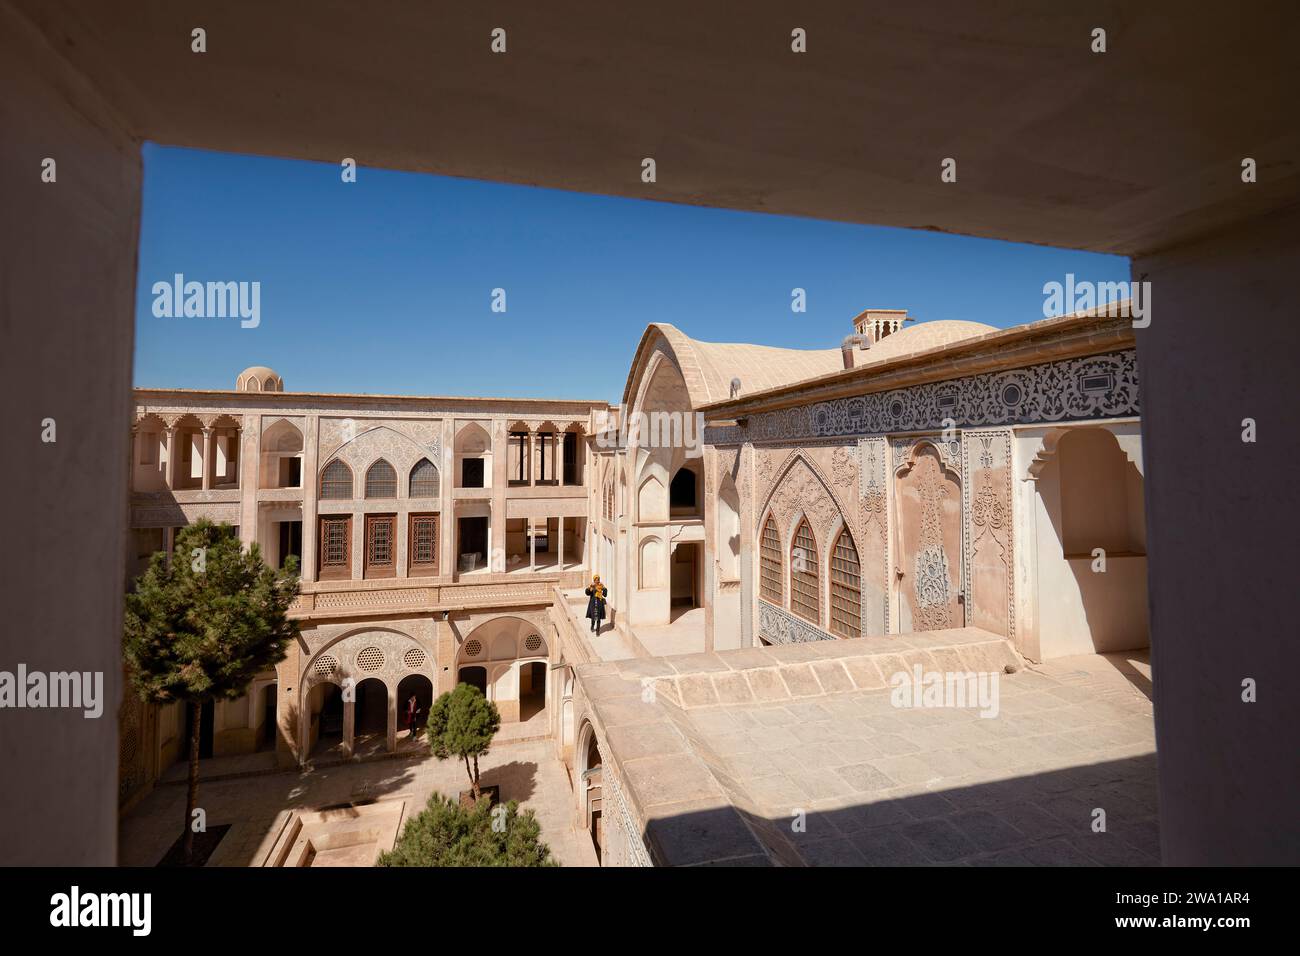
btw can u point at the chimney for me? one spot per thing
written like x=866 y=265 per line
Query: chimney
x=850 y=343
x=875 y=324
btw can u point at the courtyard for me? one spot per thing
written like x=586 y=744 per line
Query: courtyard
x=830 y=774
x=256 y=805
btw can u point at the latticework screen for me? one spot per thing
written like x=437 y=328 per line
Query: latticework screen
x=336 y=481
x=424 y=480
x=379 y=541
x=424 y=541
x=334 y=549
x=381 y=480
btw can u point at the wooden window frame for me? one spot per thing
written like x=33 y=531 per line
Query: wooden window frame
x=805 y=585
x=369 y=569
x=769 y=554
x=846 y=589
x=423 y=568
x=334 y=572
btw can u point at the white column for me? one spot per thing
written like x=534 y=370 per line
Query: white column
x=391 y=742
x=207 y=457
x=169 y=473
x=532 y=544
x=349 y=726
x=532 y=457
x=560 y=553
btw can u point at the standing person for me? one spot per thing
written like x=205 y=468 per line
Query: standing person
x=596 y=603
x=412 y=712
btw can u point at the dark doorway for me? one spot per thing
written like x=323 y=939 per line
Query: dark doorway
x=532 y=689
x=421 y=688
x=471 y=472
x=290 y=540
x=681 y=492
x=592 y=778
x=685 y=574
x=371 y=712
x=473 y=541
x=475 y=677
x=329 y=732
x=571 y=476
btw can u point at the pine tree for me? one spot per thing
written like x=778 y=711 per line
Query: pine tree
x=202 y=625
x=462 y=723
x=448 y=834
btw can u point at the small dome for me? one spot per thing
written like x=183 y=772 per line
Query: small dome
x=259 y=378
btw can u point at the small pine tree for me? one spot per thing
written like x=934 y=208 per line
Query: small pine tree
x=462 y=723
x=201 y=626
x=447 y=834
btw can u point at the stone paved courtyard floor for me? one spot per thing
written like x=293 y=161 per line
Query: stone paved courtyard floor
x=526 y=771
x=880 y=785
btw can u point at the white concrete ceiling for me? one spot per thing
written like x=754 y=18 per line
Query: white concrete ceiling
x=1128 y=151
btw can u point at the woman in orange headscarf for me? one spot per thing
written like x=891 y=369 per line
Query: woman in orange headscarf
x=596 y=604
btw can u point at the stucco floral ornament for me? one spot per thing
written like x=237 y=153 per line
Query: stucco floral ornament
x=873 y=505
x=932 y=597
x=987 y=509
x=843 y=462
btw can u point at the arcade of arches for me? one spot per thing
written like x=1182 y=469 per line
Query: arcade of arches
x=786 y=520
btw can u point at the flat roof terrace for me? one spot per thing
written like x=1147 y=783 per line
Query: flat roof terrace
x=800 y=756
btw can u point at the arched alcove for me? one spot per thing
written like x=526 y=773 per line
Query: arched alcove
x=1090 y=559
x=282 y=454
x=652 y=501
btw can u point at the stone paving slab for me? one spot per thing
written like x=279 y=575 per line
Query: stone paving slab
x=905 y=786
x=794 y=672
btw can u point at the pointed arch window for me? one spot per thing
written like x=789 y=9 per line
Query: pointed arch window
x=770 y=577
x=424 y=480
x=804 y=579
x=336 y=481
x=846 y=588
x=381 y=480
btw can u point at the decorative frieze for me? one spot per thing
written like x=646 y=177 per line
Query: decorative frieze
x=779 y=626
x=175 y=515
x=387 y=598
x=1094 y=386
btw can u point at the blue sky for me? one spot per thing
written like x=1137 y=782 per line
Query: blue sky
x=384 y=285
